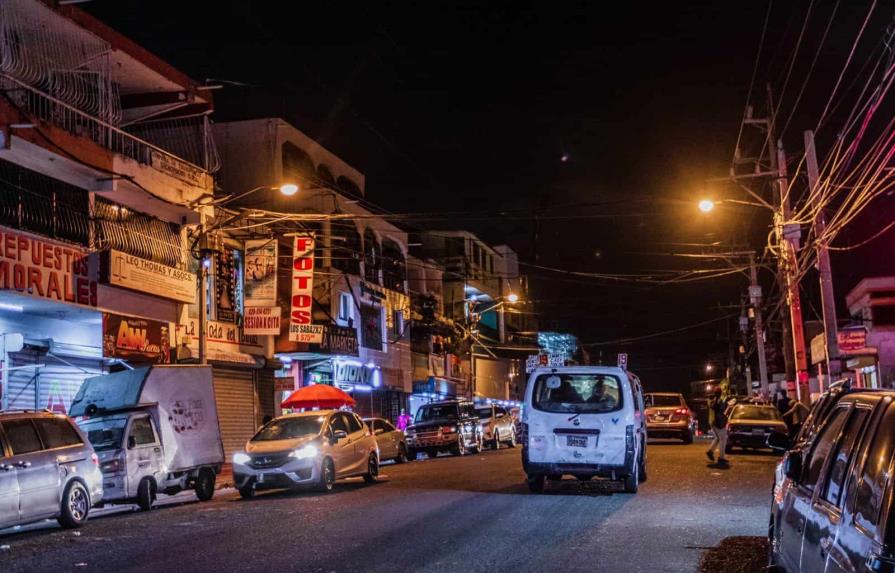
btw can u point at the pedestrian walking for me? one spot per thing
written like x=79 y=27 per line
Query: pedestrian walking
x=403 y=420
x=718 y=423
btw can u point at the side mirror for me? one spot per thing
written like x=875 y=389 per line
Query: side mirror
x=778 y=441
x=378 y=431
x=131 y=442
x=339 y=434
x=792 y=467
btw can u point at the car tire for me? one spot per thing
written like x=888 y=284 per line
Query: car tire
x=75 y=506
x=632 y=481
x=495 y=443
x=432 y=454
x=402 y=454
x=205 y=484
x=411 y=454
x=248 y=491
x=327 y=477
x=535 y=483
x=372 y=475
x=146 y=494
x=512 y=442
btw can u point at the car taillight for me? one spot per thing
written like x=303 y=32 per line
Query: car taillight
x=682 y=411
x=94 y=458
x=448 y=429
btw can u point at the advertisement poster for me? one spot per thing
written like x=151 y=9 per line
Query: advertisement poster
x=261 y=320
x=148 y=276
x=226 y=285
x=302 y=302
x=135 y=339
x=261 y=272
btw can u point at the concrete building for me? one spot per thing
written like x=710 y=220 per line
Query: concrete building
x=867 y=346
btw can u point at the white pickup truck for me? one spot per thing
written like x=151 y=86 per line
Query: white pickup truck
x=155 y=430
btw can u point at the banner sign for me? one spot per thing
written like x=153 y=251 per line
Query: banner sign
x=226 y=282
x=536 y=361
x=340 y=340
x=261 y=320
x=147 y=276
x=852 y=341
x=223 y=342
x=301 y=313
x=46 y=270
x=818 y=348
x=261 y=272
x=135 y=339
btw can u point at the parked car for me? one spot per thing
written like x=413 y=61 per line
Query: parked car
x=584 y=421
x=391 y=441
x=450 y=425
x=310 y=448
x=834 y=510
x=155 y=430
x=48 y=469
x=668 y=416
x=498 y=425
x=749 y=425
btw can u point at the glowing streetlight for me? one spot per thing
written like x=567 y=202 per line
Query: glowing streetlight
x=289 y=189
x=706 y=205
x=512 y=298
x=709 y=368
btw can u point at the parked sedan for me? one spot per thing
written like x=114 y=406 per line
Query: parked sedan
x=391 y=441
x=498 y=426
x=311 y=448
x=834 y=511
x=48 y=469
x=750 y=425
x=667 y=416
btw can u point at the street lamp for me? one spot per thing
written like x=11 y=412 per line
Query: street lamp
x=512 y=298
x=706 y=205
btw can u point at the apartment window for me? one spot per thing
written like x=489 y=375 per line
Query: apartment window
x=346 y=309
x=371 y=326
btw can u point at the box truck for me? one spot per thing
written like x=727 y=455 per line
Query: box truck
x=155 y=430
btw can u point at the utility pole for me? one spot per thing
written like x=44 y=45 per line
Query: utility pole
x=755 y=299
x=828 y=303
x=788 y=236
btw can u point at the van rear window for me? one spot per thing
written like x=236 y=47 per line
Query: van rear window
x=578 y=393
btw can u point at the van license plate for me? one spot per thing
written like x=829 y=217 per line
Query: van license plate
x=576 y=441
x=260 y=478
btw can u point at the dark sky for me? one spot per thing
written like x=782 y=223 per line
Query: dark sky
x=472 y=106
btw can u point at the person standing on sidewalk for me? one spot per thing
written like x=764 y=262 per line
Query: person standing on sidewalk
x=718 y=423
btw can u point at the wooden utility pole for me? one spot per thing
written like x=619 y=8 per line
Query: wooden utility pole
x=755 y=299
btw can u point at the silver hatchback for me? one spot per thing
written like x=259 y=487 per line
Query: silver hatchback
x=48 y=469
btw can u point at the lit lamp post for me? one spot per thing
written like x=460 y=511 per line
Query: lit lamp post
x=204 y=255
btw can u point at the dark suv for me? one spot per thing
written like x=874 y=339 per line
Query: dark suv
x=451 y=425
x=833 y=504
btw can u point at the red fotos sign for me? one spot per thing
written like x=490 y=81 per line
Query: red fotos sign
x=45 y=269
x=302 y=302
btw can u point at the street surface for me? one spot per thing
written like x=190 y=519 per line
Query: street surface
x=451 y=514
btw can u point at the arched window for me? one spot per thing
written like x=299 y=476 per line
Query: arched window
x=394 y=272
x=325 y=175
x=372 y=257
x=349 y=186
x=298 y=166
x=346 y=249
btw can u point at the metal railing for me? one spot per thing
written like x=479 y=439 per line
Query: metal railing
x=41 y=106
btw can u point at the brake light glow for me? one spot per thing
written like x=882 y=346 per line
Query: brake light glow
x=94 y=458
x=448 y=429
x=682 y=411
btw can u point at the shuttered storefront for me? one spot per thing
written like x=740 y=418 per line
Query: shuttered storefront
x=266 y=394
x=51 y=386
x=234 y=390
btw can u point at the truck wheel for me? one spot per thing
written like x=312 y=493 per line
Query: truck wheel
x=411 y=454
x=327 y=476
x=205 y=484
x=248 y=490
x=632 y=481
x=641 y=471
x=146 y=494
x=75 y=506
x=535 y=483
x=459 y=448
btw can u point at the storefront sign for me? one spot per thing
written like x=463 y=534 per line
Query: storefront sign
x=135 y=339
x=819 y=348
x=544 y=361
x=301 y=313
x=261 y=320
x=261 y=272
x=352 y=373
x=147 y=276
x=337 y=340
x=852 y=341
x=284 y=384
x=177 y=168
x=45 y=269
x=223 y=342
x=226 y=283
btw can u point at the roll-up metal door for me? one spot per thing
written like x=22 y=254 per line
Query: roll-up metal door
x=51 y=386
x=234 y=391
x=266 y=396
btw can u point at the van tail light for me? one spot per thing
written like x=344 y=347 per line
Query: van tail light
x=629 y=438
x=524 y=437
x=94 y=458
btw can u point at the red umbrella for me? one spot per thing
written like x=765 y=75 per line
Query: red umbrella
x=318 y=396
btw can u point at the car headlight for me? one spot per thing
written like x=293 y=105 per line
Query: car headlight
x=241 y=458
x=308 y=451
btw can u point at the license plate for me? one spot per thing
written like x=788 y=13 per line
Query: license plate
x=757 y=431
x=660 y=418
x=576 y=441
x=260 y=478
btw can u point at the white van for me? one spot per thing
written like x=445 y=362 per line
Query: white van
x=584 y=421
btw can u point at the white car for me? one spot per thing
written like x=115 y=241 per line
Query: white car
x=391 y=441
x=584 y=421
x=311 y=448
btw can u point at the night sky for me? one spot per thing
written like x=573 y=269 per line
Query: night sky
x=615 y=113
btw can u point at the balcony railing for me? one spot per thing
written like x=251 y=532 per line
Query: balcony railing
x=41 y=106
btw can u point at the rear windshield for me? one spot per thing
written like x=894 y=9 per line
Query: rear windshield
x=755 y=413
x=289 y=428
x=594 y=393
x=483 y=413
x=661 y=401
x=437 y=412
x=105 y=433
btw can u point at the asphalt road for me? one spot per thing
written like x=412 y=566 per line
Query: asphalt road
x=450 y=514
